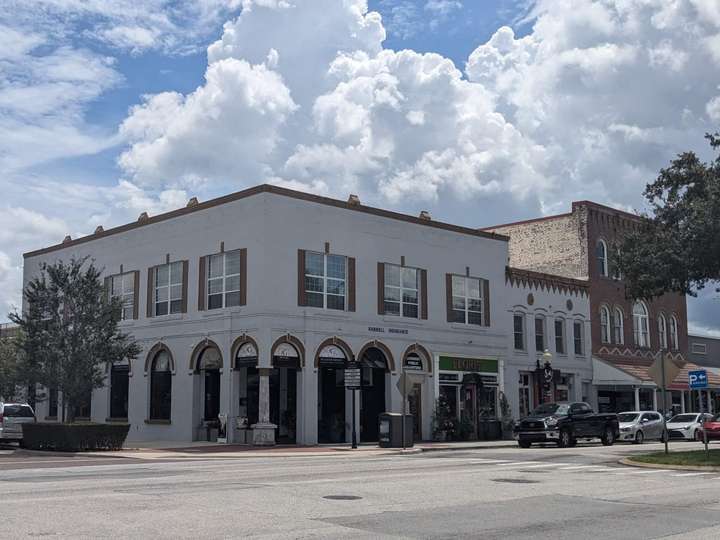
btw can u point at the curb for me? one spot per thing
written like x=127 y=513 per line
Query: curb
x=642 y=465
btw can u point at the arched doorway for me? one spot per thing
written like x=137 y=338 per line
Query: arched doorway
x=416 y=366
x=375 y=361
x=286 y=361
x=331 y=360
x=208 y=367
x=247 y=381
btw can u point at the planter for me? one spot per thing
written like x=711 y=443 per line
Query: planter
x=74 y=437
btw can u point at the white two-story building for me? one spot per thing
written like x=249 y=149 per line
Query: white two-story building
x=252 y=305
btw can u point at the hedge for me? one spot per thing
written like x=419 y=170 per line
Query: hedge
x=74 y=437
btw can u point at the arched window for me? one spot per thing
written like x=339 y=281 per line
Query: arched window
x=662 y=331
x=160 y=387
x=618 y=327
x=674 y=333
x=640 y=325
x=604 y=324
x=601 y=254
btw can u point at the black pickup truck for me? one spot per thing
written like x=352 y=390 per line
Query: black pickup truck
x=564 y=424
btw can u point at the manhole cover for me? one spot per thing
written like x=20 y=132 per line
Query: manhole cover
x=342 y=497
x=516 y=480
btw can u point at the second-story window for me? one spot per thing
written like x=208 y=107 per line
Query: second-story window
x=604 y=324
x=640 y=325
x=674 y=343
x=519 y=331
x=402 y=286
x=539 y=333
x=325 y=279
x=467 y=300
x=618 y=327
x=223 y=280
x=168 y=294
x=662 y=331
x=123 y=287
x=560 y=336
x=578 y=338
x=601 y=255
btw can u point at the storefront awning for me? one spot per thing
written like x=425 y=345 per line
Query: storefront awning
x=635 y=372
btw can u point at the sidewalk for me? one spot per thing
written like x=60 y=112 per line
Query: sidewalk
x=208 y=450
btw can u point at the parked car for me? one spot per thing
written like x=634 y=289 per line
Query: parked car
x=712 y=428
x=12 y=417
x=564 y=424
x=640 y=426
x=687 y=426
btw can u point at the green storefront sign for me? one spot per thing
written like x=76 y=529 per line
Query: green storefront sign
x=454 y=363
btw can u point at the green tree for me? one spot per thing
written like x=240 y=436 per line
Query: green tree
x=677 y=247
x=69 y=331
x=10 y=372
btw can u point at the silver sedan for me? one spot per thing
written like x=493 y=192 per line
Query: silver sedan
x=639 y=426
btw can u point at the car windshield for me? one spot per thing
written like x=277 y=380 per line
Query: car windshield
x=627 y=417
x=683 y=418
x=21 y=411
x=546 y=409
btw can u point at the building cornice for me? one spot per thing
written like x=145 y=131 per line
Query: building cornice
x=539 y=280
x=275 y=190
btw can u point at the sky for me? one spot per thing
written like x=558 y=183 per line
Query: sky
x=479 y=111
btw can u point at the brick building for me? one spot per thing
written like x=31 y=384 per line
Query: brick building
x=627 y=334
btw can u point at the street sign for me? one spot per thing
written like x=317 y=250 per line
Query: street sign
x=352 y=378
x=697 y=379
x=672 y=368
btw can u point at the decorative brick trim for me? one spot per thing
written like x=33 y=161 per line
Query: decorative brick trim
x=527 y=278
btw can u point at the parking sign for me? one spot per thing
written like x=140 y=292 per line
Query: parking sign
x=697 y=379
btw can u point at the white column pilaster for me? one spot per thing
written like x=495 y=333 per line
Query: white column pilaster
x=637 y=398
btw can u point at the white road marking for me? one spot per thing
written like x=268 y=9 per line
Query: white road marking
x=693 y=474
x=541 y=465
x=579 y=467
x=653 y=471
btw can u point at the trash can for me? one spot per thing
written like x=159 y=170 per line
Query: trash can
x=390 y=430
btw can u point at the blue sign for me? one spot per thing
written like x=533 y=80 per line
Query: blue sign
x=697 y=379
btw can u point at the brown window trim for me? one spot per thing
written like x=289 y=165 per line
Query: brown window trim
x=202 y=277
x=484 y=283
x=422 y=290
x=136 y=290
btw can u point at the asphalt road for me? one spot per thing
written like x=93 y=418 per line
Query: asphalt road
x=554 y=493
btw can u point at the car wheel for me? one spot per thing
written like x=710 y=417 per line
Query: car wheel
x=524 y=444
x=565 y=440
x=609 y=438
x=639 y=437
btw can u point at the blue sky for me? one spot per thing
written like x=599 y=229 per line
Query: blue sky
x=480 y=111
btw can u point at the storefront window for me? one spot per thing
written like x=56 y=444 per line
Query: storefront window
x=525 y=394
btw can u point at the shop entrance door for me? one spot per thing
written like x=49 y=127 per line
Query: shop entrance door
x=283 y=404
x=331 y=405
x=372 y=394
x=415 y=408
x=212 y=394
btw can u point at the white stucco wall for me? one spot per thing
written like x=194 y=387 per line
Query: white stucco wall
x=272 y=227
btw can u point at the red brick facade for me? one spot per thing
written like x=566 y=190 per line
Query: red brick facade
x=565 y=245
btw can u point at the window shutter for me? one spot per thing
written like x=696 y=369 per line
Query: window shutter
x=381 y=288
x=184 y=287
x=136 y=294
x=243 y=276
x=423 y=295
x=202 y=282
x=448 y=296
x=301 y=278
x=486 y=302
x=150 y=279
x=351 y=283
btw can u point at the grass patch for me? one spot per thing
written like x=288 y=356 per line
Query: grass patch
x=694 y=457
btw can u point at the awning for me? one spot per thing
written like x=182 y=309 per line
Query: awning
x=634 y=371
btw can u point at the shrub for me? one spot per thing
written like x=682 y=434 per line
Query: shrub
x=74 y=437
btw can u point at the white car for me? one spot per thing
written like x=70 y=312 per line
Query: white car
x=639 y=426
x=12 y=417
x=687 y=425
